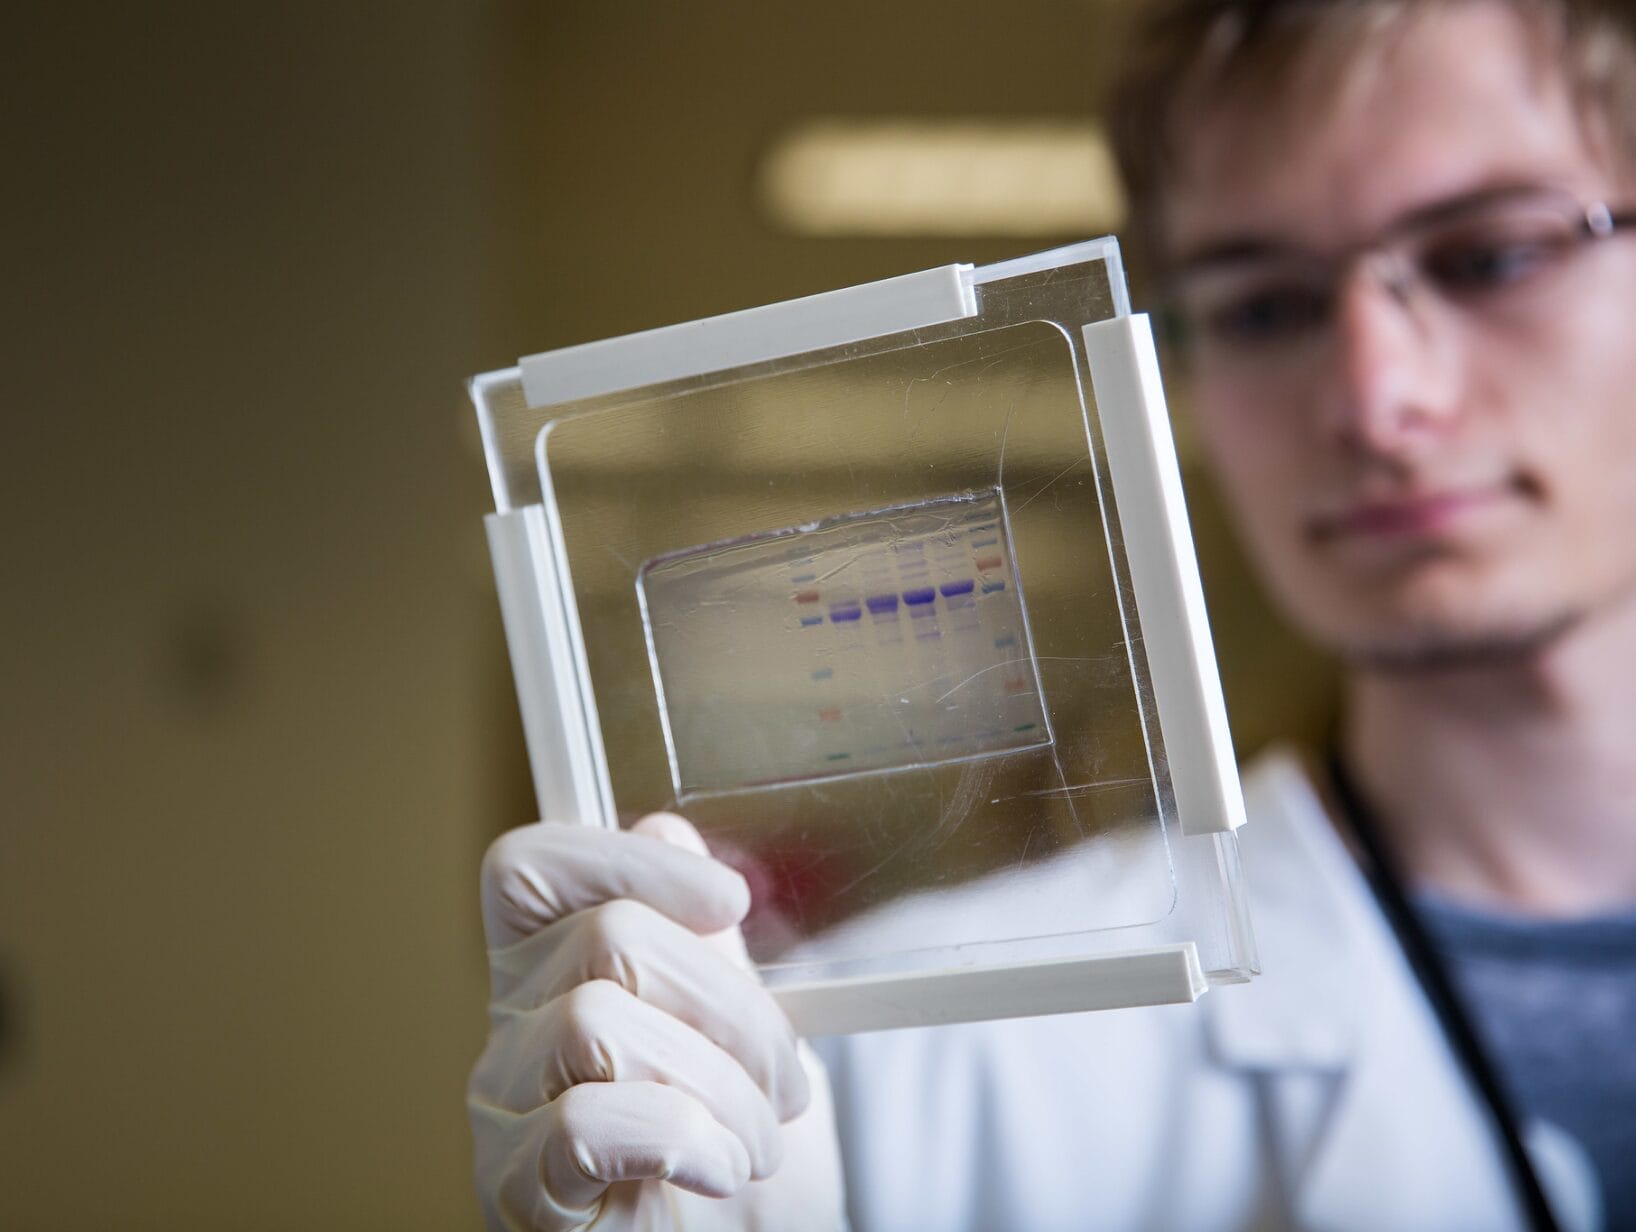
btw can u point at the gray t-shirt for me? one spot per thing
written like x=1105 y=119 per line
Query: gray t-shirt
x=1554 y=1002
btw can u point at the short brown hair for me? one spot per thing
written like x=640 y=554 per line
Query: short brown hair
x=1187 y=54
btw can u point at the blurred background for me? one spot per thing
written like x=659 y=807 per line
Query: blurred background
x=259 y=723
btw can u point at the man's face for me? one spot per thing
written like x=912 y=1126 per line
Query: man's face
x=1423 y=482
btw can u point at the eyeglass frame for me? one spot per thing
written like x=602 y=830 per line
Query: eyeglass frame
x=1591 y=222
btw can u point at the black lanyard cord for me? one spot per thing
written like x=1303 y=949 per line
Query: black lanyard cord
x=1434 y=980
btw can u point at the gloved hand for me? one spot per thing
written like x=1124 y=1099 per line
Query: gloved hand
x=637 y=1074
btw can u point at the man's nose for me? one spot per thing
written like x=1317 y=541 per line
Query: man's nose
x=1394 y=384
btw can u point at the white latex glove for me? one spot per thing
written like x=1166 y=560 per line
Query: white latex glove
x=637 y=1074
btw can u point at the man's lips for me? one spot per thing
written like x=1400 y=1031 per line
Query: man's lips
x=1407 y=516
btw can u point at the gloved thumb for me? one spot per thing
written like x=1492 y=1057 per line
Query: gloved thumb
x=678 y=831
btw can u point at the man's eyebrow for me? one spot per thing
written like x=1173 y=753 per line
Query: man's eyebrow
x=1234 y=250
x=1243 y=249
x=1487 y=194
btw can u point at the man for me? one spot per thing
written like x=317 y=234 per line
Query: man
x=1393 y=235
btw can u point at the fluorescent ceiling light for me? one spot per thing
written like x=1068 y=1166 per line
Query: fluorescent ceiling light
x=942 y=177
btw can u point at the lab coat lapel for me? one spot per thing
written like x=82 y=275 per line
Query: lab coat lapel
x=1372 y=1120
x=1303 y=1010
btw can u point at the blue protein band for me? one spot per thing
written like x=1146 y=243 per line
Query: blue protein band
x=840 y=615
x=956 y=588
x=921 y=594
x=990 y=587
x=808 y=621
x=882 y=603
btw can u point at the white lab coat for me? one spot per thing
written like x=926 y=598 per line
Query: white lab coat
x=1321 y=1096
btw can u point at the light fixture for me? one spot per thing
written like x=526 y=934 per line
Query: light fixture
x=913 y=176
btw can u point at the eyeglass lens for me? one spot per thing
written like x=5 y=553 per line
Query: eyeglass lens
x=1499 y=254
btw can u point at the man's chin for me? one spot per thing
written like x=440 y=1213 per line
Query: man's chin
x=1429 y=649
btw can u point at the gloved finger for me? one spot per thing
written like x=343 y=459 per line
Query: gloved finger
x=679 y=831
x=550 y=1169
x=601 y=1133
x=600 y=1033
x=674 y=829
x=670 y=968
x=537 y=874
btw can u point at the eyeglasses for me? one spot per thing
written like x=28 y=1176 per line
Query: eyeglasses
x=1496 y=255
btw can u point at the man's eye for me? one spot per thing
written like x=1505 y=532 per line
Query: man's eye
x=1474 y=267
x=1269 y=315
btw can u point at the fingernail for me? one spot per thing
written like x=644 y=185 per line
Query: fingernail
x=674 y=829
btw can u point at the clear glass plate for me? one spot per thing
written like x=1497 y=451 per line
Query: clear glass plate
x=863 y=614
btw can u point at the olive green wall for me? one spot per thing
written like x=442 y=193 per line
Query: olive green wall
x=258 y=724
